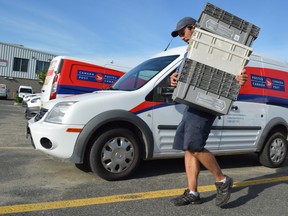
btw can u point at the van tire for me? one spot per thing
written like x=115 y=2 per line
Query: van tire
x=274 y=152
x=115 y=154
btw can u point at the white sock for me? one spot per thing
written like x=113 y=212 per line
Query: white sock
x=223 y=180
x=194 y=193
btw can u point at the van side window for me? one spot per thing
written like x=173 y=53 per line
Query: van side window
x=162 y=92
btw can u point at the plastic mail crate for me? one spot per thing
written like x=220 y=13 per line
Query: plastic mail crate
x=206 y=88
x=218 y=52
x=225 y=24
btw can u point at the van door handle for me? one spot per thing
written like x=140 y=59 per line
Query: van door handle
x=234 y=108
x=43 y=90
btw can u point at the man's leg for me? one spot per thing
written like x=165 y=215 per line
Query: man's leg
x=192 y=168
x=208 y=160
x=223 y=183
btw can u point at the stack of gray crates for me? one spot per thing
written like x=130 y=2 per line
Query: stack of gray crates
x=218 y=50
x=225 y=24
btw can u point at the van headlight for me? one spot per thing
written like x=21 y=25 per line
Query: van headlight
x=58 y=112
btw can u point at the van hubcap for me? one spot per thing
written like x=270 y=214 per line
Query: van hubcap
x=117 y=154
x=277 y=150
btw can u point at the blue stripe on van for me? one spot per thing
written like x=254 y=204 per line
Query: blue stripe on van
x=66 y=89
x=263 y=99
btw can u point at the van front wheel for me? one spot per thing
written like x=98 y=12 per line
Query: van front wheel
x=115 y=154
x=275 y=151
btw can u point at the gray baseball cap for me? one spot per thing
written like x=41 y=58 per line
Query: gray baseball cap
x=183 y=23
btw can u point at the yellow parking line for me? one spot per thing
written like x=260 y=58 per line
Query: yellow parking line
x=122 y=197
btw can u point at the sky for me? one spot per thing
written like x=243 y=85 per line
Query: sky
x=123 y=33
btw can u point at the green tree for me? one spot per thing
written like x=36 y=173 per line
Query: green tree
x=42 y=75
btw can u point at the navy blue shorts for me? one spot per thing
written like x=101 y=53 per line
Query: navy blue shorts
x=193 y=131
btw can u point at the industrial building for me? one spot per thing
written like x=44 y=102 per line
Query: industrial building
x=20 y=65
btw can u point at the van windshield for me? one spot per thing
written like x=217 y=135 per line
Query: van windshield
x=140 y=75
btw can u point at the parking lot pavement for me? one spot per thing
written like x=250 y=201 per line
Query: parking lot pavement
x=12 y=124
x=32 y=183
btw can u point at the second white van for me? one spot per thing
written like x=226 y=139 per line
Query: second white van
x=24 y=90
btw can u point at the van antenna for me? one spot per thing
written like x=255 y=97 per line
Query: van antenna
x=169 y=44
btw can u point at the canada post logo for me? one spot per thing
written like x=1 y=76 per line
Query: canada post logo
x=99 y=78
x=96 y=77
x=267 y=83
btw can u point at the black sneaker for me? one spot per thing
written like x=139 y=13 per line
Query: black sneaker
x=223 y=191
x=185 y=199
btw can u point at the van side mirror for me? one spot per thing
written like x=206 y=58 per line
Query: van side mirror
x=166 y=91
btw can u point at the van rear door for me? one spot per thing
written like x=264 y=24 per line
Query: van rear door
x=50 y=84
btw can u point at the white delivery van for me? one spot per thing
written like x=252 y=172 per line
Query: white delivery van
x=137 y=121
x=24 y=90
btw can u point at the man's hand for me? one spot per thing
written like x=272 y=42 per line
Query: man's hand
x=242 y=78
x=173 y=79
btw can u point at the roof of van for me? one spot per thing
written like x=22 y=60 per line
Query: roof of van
x=90 y=61
x=266 y=58
x=172 y=51
x=75 y=58
x=22 y=86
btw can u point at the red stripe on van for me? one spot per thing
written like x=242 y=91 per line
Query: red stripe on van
x=146 y=105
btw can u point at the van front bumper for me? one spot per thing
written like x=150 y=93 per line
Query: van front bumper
x=28 y=135
x=52 y=139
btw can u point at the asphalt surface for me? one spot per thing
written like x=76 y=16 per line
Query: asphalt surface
x=32 y=183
